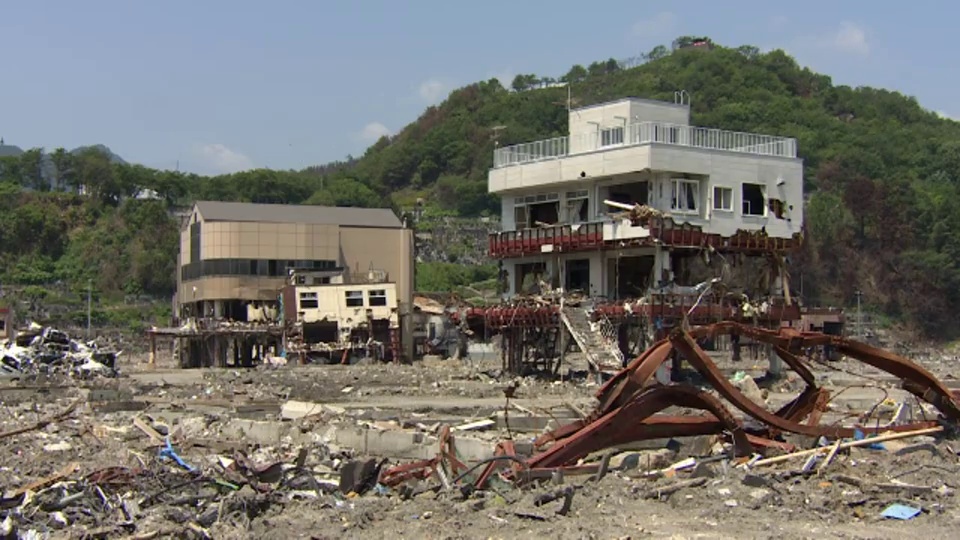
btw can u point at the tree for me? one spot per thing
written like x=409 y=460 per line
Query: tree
x=576 y=74
x=31 y=167
x=658 y=52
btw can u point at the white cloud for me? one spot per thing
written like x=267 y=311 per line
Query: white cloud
x=659 y=25
x=373 y=131
x=433 y=90
x=216 y=158
x=850 y=38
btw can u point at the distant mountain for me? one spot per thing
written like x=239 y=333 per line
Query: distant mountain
x=7 y=150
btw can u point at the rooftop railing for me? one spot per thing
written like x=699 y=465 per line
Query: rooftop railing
x=645 y=133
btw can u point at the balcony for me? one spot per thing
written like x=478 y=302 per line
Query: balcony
x=616 y=234
x=642 y=133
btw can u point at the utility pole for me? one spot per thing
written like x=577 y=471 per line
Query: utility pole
x=859 y=294
x=89 y=310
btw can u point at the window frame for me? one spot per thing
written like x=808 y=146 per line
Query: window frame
x=310 y=297
x=675 y=184
x=763 y=200
x=350 y=298
x=612 y=136
x=729 y=209
x=377 y=297
x=522 y=204
x=571 y=197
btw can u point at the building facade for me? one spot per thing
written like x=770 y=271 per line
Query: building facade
x=563 y=199
x=236 y=258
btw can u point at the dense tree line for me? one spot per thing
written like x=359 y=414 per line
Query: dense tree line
x=882 y=176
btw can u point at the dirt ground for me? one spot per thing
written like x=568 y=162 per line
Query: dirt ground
x=100 y=470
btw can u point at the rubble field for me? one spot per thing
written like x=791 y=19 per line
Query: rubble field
x=295 y=452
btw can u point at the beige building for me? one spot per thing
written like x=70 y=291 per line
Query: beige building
x=235 y=258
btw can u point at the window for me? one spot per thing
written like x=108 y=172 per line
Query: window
x=520 y=217
x=723 y=198
x=753 y=200
x=577 y=204
x=533 y=208
x=377 y=297
x=611 y=136
x=308 y=300
x=245 y=267
x=354 y=298
x=686 y=196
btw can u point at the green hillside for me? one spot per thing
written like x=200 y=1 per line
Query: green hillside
x=882 y=174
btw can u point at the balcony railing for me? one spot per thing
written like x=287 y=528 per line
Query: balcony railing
x=646 y=133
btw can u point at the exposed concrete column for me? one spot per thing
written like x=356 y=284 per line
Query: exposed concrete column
x=775 y=363
x=662 y=269
x=597 y=280
x=218 y=309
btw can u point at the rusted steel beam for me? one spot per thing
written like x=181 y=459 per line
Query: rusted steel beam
x=632 y=402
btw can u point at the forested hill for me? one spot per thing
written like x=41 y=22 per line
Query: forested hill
x=882 y=174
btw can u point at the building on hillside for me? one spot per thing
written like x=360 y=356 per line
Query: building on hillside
x=616 y=208
x=726 y=190
x=236 y=258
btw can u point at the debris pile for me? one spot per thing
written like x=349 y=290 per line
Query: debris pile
x=445 y=448
x=48 y=351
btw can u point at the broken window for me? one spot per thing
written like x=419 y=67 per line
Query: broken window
x=377 y=297
x=777 y=207
x=578 y=275
x=577 y=203
x=633 y=193
x=354 y=298
x=723 y=198
x=535 y=210
x=611 y=136
x=308 y=300
x=753 y=200
x=686 y=196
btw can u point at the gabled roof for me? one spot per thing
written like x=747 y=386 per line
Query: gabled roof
x=383 y=218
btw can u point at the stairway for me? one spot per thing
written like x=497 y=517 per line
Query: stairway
x=596 y=340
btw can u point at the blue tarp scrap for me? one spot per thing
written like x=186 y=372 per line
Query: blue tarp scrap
x=169 y=453
x=859 y=436
x=900 y=511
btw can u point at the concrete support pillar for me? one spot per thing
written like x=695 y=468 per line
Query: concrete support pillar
x=776 y=364
x=662 y=269
x=218 y=309
x=597 y=278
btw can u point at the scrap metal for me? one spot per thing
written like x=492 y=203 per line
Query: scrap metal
x=631 y=403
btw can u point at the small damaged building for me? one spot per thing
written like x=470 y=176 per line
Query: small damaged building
x=330 y=320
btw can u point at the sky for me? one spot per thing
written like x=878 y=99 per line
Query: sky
x=217 y=86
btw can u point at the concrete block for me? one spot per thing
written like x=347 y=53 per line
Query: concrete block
x=264 y=433
x=292 y=410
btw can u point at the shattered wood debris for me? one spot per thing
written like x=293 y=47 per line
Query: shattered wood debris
x=416 y=449
x=48 y=351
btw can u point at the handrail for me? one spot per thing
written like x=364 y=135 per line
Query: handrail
x=642 y=133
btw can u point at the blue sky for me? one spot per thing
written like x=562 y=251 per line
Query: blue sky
x=224 y=85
